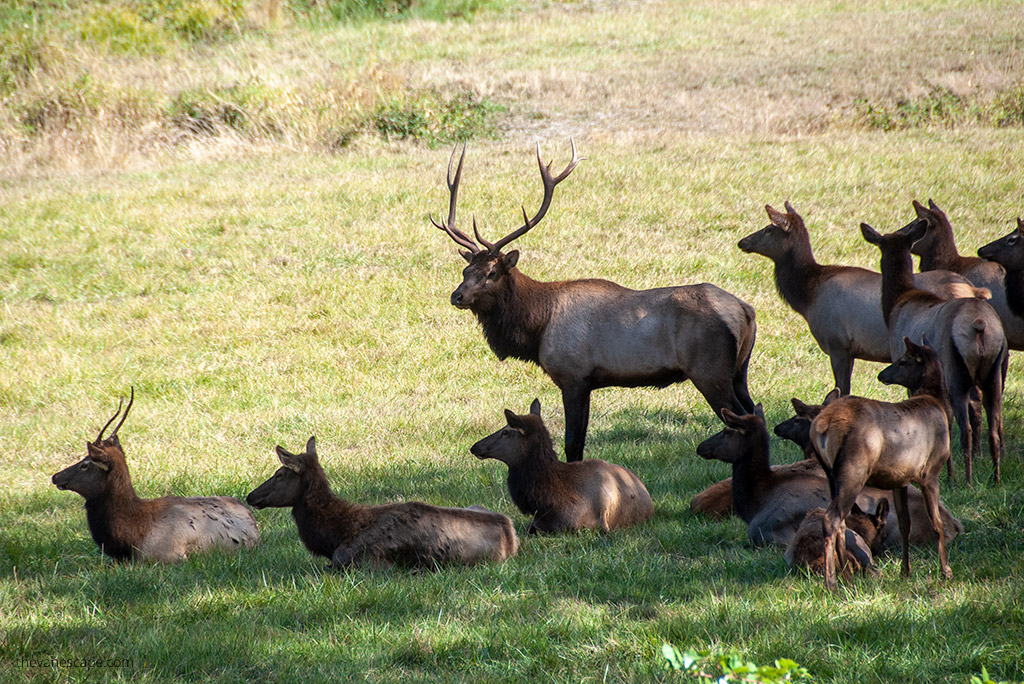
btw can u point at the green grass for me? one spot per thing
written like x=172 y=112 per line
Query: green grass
x=270 y=273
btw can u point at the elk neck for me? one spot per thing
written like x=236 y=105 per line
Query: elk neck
x=752 y=476
x=797 y=274
x=515 y=324
x=537 y=481
x=118 y=519
x=897 y=279
x=942 y=253
x=324 y=519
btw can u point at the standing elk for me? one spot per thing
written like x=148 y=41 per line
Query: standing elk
x=839 y=303
x=937 y=249
x=588 y=494
x=966 y=333
x=589 y=334
x=1008 y=252
x=167 y=529
x=409 y=534
x=887 y=445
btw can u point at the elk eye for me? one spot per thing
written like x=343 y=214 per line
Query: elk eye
x=505 y=432
x=84 y=466
x=493 y=275
x=1012 y=240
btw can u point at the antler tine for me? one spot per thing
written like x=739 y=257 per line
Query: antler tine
x=487 y=245
x=455 y=234
x=126 y=410
x=549 y=192
x=120 y=403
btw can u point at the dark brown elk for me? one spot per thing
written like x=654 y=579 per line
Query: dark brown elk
x=409 y=534
x=887 y=445
x=839 y=303
x=803 y=482
x=167 y=529
x=588 y=334
x=1008 y=252
x=938 y=251
x=966 y=333
x=587 y=494
x=864 y=540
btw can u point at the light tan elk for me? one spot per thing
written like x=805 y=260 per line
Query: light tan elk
x=937 y=249
x=839 y=303
x=409 y=534
x=588 y=334
x=1008 y=252
x=167 y=529
x=588 y=494
x=966 y=333
x=887 y=445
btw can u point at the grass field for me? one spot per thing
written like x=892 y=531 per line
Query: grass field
x=257 y=285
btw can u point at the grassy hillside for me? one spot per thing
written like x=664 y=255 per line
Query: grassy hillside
x=273 y=275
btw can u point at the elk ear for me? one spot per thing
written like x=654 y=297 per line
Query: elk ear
x=759 y=410
x=777 y=217
x=881 y=512
x=466 y=254
x=733 y=421
x=832 y=396
x=919 y=209
x=1020 y=226
x=288 y=459
x=511 y=259
x=311 y=446
x=870 y=234
x=93 y=450
x=916 y=230
x=932 y=205
x=535 y=407
x=515 y=422
x=790 y=211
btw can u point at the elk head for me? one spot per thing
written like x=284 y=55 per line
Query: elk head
x=783 y=233
x=488 y=267
x=1008 y=250
x=918 y=367
x=89 y=476
x=935 y=222
x=284 y=488
x=733 y=443
x=512 y=443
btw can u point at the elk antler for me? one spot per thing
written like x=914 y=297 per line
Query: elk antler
x=454 y=233
x=549 y=191
x=120 y=403
x=126 y=410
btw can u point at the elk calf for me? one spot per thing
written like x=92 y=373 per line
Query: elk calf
x=887 y=445
x=967 y=335
x=408 y=534
x=839 y=303
x=864 y=540
x=588 y=494
x=167 y=529
x=589 y=334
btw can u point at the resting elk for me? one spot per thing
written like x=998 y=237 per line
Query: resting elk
x=588 y=334
x=409 y=534
x=588 y=494
x=937 y=249
x=967 y=335
x=167 y=529
x=887 y=445
x=864 y=538
x=839 y=303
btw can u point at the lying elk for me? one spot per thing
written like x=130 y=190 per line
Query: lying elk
x=839 y=303
x=937 y=249
x=967 y=335
x=864 y=540
x=167 y=529
x=410 y=534
x=1008 y=252
x=588 y=334
x=587 y=494
x=887 y=445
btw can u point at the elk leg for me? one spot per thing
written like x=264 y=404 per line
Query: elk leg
x=961 y=410
x=830 y=528
x=740 y=391
x=930 y=491
x=576 y=404
x=899 y=499
x=993 y=400
x=842 y=370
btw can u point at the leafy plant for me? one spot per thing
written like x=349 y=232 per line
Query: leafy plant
x=731 y=666
x=985 y=679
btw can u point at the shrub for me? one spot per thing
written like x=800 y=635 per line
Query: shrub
x=730 y=666
x=435 y=120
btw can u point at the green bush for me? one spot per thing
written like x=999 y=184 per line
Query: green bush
x=435 y=120
x=730 y=666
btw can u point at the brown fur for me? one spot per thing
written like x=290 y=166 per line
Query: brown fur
x=966 y=333
x=409 y=534
x=592 y=333
x=588 y=494
x=167 y=529
x=1008 y=252
x=887 y=445
x=839 y=303
x=864 y=538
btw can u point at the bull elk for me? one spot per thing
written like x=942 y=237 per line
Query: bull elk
x=839 y=303
x=937 y=249
x=167 y=529
x=966 y=333
x=588 y=334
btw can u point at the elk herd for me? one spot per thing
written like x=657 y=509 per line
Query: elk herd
x=945 y=333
